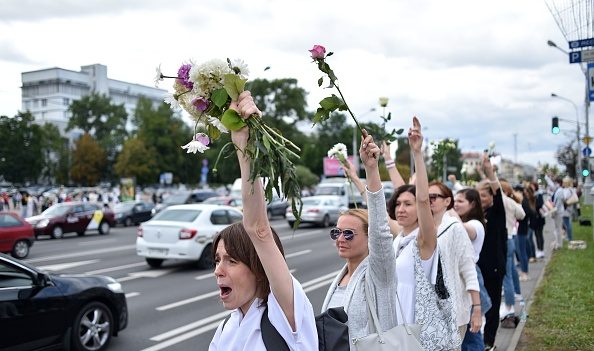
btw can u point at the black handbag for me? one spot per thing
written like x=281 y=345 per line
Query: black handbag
x=333 y=331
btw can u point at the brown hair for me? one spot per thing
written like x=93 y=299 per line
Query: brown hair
x=485 y=185
x=391 y=205
x=239 y=246
x=447 y=192
x=476 y=210
x=361 y=214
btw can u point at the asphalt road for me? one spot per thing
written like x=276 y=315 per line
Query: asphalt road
x=176 y=307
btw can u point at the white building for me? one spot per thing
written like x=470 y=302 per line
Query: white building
x=48 y=93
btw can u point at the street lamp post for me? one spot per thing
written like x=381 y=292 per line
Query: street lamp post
x=578 y=166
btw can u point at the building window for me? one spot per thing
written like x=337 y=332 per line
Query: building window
x=66 y=101
x=43 y=102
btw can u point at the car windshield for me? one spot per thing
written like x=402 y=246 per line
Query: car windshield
x=328 y=190
x=56 y=210
x=216 y=201
x=176 y=215
x=311 y=202
x=174 y=199
x=126 y=206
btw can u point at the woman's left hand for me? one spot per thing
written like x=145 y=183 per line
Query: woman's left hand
x=415 y=138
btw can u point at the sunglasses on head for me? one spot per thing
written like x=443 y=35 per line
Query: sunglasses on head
x=432 y=197
x=349 y=234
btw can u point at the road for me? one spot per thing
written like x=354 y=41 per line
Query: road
x=176 y=307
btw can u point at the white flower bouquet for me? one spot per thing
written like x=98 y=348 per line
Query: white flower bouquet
x=205 y=92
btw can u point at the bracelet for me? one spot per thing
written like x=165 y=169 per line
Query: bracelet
x=390 y=166
x=389 y=162
x=479 y=305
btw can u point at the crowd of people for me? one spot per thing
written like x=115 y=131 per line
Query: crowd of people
x=437 y=258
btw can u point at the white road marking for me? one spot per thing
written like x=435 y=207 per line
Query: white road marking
x=64 y=266
x=95 y=242
x=153 y=273
x=132 y=294
x=299 y=253
x=83 y=253
x=302 y=234
x=111 y=269
x=183 y=337
x=187 y=301
x=185 y=328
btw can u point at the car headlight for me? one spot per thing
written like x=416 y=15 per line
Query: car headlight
x=115 y=287
x=42 y=223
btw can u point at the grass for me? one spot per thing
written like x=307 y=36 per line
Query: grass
x=562 y=314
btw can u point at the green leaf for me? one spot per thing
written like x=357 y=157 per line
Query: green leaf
x=399 y=131
x=321 y=115
x=266 y=142
x=320 y=81
x=232 y=121
x=219 y=97
x=331 y=103
x=213 y=132
x=233 y=85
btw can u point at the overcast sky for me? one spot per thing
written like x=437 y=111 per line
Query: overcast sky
x=477 y=71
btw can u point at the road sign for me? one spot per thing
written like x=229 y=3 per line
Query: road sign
x=581 y=43
x=587 y=140
x=591 y=81
x=581 y=56
x=586 y=151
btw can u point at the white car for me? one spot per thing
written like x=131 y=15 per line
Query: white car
x=321 y=210
x=184 y=232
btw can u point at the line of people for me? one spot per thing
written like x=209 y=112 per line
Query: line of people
x=425 y=259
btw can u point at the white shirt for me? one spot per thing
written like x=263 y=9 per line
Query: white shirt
x=242 y=333
x=477 y=243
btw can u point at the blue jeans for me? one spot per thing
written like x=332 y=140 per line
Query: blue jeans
x=473 y=341
x=568 y=228
x=522 y=249
x=511 y=280
x=485 y=299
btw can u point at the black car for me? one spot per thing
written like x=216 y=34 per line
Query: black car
x=277 y=207
x=45 y=311
x=184 y=197
x=133 y=212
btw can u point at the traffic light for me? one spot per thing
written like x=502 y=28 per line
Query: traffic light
x=585 y=167
x=555 y=128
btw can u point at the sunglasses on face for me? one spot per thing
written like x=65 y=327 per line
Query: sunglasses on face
x=433 y=197
x=349 y=234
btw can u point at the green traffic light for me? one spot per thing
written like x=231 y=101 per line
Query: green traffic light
x=555 y=130
x=585 y=172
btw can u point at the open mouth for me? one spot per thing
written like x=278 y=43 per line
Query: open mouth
x=225 y=291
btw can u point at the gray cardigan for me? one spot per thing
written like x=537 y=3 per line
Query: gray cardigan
x=379 y=267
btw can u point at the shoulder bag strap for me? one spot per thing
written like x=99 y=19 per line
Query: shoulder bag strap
x=271 y=337
x=225 y=321
x=448 y=227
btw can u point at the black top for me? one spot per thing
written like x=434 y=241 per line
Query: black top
x=537 y=222
x=530 y=215
x=494 y=252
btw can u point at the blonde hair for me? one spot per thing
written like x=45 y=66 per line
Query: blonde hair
x=361 y=214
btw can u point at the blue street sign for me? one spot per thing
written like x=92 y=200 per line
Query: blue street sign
x=581 y=56
x=581 y=43
x=591 y=81
x=586 y=151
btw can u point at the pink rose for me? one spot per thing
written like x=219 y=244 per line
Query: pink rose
x=318 y=52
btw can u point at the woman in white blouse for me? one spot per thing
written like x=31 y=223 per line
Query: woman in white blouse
x=251 y=271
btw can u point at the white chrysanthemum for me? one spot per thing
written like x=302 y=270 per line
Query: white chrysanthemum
x=217 y=124
x=158 y=76
x=338 y=150
x=195 y=146
x=208 y=77
x=242 y=67
x=170 y=99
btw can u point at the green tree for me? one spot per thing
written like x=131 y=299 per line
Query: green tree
x=56 y=155
x=88 y=161
x=306 y=177
x=445 y=150
x=138 y=161
x=106 y=122
x=567 y=156
x=21 y=157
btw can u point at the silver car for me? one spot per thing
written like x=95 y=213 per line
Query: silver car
x=322 y=210
x=184 y=232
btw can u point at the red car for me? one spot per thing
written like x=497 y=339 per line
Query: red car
x=72 y=217
x=16 y=235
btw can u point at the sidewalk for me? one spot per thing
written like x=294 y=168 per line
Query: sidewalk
x=507 y=339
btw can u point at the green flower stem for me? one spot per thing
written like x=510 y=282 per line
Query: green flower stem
x=347 y=106
x=285 y=140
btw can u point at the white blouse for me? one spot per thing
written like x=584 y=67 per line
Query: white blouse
x=242 y=333
x=477 y=243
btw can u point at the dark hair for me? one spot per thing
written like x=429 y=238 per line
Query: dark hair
x=529 y=194
x=476 y=210
x=391 y=205
x=239 y=246
x=447 y=192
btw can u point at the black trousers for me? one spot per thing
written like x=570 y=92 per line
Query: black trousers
x=539 y=239
x=493 y=284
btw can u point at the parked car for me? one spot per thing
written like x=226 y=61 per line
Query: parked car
x=184 y=232
x=184 y=197
x=232 y=201
x=72 y=217
x=16 y=235
x=322 y=210
x=277 y=207
x=348 y=192
x=132 y=212
x=43 y=311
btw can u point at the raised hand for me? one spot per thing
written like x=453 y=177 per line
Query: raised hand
x=415 y=138
x=245 y=107
x=369 y=151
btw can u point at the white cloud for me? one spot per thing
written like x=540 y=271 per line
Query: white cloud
x=473 y=70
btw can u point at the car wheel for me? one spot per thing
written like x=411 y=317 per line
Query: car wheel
x=128 y=222
x=80 y=233
x=104 y=228
x=325 y=222
x=154 y=262
x=57 y=232
x=20 y=249
x=206 y=261
x=92 y=328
